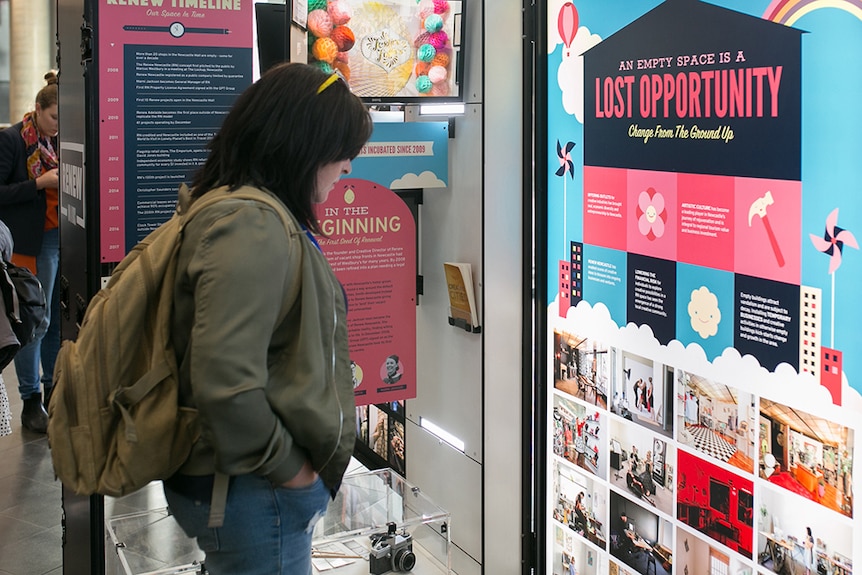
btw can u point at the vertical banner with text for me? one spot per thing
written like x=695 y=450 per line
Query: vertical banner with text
x=167 y=77
x=370 y=242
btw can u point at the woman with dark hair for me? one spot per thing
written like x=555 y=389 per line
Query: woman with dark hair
x=260 y=322
x=28 y=205
x=392 y=364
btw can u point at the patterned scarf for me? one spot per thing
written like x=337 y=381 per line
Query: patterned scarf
x=40 y=152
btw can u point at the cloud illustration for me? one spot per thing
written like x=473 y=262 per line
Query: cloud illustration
x=570 y=74
x=426 y=179
x=784 y=385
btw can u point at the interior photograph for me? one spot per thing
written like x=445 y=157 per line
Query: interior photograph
x=642 y=391
x=574 y=555
x=808 y=455
x=582 y=368
x=580 y=503
x=716 y=419
x=697 y=555
x=640 y=539
x=642 y=465
x=715 y=502
x=798 y=536
x=580 y=435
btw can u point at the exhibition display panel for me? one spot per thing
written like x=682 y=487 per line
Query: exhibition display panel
x=700 y=316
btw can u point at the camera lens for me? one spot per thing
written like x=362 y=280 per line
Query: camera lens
x=403 y=560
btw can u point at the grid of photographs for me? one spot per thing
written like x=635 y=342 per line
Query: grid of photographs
x=656 y=469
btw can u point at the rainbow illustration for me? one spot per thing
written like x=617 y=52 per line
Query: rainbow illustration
x=789 y=11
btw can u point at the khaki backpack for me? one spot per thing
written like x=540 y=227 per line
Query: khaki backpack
x=115 y=423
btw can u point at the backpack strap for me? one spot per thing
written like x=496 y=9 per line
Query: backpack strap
x=218 y=502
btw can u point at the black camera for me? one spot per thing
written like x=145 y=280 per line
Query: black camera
x=391 y=551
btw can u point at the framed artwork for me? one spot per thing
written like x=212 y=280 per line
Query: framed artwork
x=299 y=14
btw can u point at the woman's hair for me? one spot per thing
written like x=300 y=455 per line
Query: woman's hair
x=281 y=131
x=395 y=357
x=47 y=96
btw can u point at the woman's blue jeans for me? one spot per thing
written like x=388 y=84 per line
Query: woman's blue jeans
x=45 y=346
x=267 y=529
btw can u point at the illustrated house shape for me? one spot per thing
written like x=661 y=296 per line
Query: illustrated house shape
x=764 y=147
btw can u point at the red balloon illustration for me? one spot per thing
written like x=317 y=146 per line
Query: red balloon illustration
x=567 y=24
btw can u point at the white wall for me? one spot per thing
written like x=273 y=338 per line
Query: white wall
x=470 y=384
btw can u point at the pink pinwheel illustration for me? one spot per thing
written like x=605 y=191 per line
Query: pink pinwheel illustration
x=651 y=214
x=565 y=157
x=832 y=244
x=566 y=165
x=833 y=240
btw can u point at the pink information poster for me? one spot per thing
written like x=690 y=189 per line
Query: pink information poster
x=369 y=238
x=169 y=70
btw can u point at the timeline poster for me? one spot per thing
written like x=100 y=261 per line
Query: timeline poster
x=168 y=74
x=369 y=238
x=703 y=270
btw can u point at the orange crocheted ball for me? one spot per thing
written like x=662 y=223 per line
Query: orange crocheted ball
x=343 y=37
x=441 y=60
x=325 y=50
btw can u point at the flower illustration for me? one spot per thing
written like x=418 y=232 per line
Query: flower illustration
x=651 y=214
x=833 y=240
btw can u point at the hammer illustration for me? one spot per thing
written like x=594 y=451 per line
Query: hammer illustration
x=758 y=208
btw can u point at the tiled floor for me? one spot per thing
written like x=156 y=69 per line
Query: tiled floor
x=30 y=499
x=31 y=511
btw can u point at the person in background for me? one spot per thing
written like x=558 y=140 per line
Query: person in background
x=9 y=344
x=28 y=205
x=580 y=512
x=808 y=552
x=260 y=328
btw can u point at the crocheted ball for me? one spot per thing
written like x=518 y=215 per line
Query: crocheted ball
x=440 y=89
x=316 y=5
x=425 y=12
x=423 y=84
x=325 y=67
x=343 y=36
x=437 y=74
x=421 y=68
x=421 y=39
x=439 y=40
x=434 y=23
x=343 y=69
x=325 y=50
x=340 y=12
x=441 y=59
x=441 y=6
x=342 y=57
x=426 y=52
x=319 y=23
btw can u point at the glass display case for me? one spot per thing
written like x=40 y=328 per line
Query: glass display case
x=377 y=523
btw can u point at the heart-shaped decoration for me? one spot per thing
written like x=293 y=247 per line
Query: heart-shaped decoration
x=386 y=49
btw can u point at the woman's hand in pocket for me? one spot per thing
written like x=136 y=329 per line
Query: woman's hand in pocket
x=305 y=477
